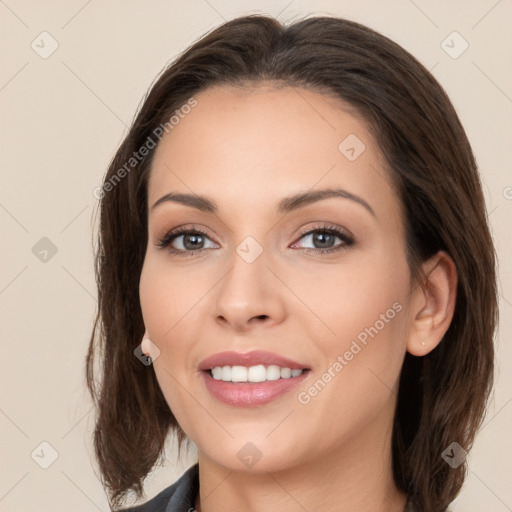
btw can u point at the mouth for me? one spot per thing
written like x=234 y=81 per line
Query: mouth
x=250 y=379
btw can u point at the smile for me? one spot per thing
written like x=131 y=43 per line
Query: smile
x=258 y=373
x=249 y=379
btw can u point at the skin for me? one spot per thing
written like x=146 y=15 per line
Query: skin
x=246 y=149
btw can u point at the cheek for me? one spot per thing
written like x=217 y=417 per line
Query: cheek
x=169 y=298
x=174 y=303
x=345 y=300
x=358 y=380
x=365 y=309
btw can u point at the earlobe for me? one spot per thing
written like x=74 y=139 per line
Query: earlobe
x=149 y=348
x=433 y=304
x=145 y=345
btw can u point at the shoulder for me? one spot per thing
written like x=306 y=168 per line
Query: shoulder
x=178 y=497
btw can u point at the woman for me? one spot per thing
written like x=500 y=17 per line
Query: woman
x=294 y=234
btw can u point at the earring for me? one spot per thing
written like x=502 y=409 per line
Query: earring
x=423 y=343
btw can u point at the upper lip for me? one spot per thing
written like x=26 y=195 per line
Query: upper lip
x=253 y=358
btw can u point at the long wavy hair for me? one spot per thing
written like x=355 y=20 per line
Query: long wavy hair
x=443 y=395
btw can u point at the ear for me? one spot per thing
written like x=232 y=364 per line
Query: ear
x=433 y=304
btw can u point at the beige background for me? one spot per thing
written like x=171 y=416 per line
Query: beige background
x=62 y=120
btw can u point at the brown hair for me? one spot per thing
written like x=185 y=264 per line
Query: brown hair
x=442 y=396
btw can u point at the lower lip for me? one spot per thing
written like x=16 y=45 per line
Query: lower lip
x=250 y=394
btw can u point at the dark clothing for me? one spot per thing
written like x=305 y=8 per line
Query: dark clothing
x=179 y=497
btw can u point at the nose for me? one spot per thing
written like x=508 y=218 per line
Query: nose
x=250 y=294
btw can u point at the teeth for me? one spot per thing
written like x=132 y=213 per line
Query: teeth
x=238 y=374
x=286 y=373
x=217 y=373
x=258 y=373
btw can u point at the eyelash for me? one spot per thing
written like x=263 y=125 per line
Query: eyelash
x=324 y=228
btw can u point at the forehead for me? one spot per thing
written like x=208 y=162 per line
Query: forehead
x=253 y=146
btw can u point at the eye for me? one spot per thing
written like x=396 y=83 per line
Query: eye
x=323 y=239
x=192 y=241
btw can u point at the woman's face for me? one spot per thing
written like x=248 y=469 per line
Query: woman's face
x=254 y=278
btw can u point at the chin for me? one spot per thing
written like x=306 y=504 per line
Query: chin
x=253 y=456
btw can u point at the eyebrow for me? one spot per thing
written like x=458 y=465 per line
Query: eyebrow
x=286 y=205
